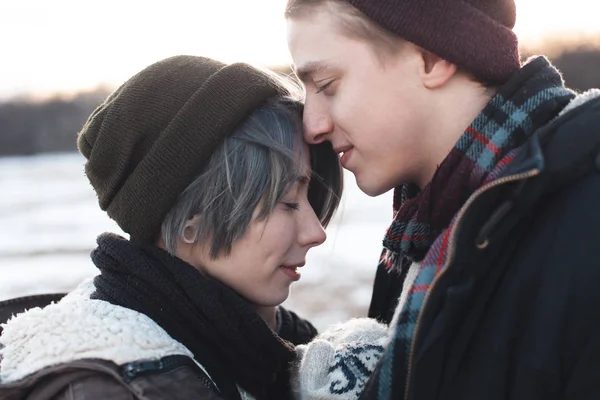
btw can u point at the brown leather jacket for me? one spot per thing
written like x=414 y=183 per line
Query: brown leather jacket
x=98 y=379
x=82 y=349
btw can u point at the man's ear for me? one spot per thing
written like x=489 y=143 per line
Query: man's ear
x=190 y=231
x=436 y=71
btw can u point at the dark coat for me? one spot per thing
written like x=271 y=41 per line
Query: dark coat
x=516 y=312
x=98 y=379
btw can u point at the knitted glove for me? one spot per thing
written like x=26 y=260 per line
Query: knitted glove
x=338 y=362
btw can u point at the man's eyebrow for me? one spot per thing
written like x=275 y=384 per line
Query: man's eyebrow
x=308 y=69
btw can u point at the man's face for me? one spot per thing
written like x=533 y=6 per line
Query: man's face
x=369 y=108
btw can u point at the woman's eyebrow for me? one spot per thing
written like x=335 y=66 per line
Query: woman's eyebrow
x=303 y=179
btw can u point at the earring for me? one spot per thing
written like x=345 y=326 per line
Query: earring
x=189 y=235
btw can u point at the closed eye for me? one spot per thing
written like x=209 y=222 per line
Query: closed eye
x=323 y=87
x=293 y=206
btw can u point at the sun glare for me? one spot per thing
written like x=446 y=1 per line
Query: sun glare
x=67 y=45
x=539 y=21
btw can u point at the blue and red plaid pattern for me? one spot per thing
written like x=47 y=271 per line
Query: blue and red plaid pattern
x=533 y=97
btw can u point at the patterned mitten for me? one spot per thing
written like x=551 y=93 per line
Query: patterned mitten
x=338 y=362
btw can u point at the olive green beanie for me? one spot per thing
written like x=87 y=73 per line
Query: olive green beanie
x=152 y=137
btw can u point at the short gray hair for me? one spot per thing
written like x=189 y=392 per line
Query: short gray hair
x=253 y=167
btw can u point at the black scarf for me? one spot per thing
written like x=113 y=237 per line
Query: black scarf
x=219 y=327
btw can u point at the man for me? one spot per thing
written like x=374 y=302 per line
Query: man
x=489 y=276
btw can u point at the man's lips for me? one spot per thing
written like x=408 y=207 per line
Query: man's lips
x=342 y=149
x=344 y=153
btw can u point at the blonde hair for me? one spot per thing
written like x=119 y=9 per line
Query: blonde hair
x=354 y=23
x=357 y=25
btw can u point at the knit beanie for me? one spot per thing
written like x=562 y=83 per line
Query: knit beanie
x=473 y=34
x=152 y=137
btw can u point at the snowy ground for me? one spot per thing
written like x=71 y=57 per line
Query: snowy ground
x=49 y=220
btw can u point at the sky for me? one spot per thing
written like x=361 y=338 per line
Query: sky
x=69 y=45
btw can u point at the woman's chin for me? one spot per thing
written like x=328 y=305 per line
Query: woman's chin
x=272 y=299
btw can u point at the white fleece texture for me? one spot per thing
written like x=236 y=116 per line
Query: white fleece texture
x=580 y=100
x=76 y=328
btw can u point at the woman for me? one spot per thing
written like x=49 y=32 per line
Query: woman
x=203 y=165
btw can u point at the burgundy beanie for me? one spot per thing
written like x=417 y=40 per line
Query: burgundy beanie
x=473 y=34
x=152 y=137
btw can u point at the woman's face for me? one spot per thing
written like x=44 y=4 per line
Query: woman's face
x=267 y=259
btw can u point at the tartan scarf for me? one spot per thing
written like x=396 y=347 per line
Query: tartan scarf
x=424 y=221
x=534 y=96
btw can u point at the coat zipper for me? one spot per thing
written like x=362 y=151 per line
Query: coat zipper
x=451 y=248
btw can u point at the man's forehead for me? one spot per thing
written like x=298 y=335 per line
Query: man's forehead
x=311 y=43
x=306 y=167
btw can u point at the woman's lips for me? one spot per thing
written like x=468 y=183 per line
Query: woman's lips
x=292 y=272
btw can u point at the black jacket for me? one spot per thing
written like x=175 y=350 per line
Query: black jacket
x=516 y=314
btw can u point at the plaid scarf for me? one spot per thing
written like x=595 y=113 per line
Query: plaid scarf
x=424 y=221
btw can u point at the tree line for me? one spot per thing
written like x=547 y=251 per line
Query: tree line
x=31 y=127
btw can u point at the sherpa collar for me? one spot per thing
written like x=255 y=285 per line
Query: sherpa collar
x=77 y=328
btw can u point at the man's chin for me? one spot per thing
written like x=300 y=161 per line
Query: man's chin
x=370 y=187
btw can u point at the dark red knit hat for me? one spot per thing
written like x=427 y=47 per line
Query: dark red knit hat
x=473 y=34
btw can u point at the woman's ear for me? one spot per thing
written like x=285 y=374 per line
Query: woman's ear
x=190 y=231
x=189 y=249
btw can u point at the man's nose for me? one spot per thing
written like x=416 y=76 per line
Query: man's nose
x=317 y=122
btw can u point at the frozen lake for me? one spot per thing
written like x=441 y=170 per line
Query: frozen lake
x=49 y=221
